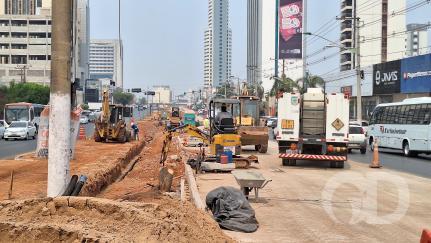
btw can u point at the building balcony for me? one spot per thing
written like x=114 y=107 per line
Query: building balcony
x=39 y=41
x=39 y=28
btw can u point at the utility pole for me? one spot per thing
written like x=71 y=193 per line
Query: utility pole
x=277 y=5
x=23 y=72
x=304 y=46
x=60 y=98
x=358 y=72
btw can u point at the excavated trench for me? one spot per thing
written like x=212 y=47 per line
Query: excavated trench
x=85 y=219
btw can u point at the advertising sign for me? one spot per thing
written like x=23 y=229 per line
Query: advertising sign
x=416 y=74
x=290 y=29
x=387 y=78
x=347 y=90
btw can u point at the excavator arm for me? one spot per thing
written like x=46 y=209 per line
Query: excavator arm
x=190 y=130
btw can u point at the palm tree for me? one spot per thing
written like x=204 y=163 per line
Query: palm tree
x=283 y=83
x=312 y=81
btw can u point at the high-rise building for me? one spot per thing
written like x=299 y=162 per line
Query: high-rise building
x=417 y=39
x=254 y=41
x=25 y=41
x=163 y=94
x=81 y=41
x=106 y=61
x=218 y=45
x=382 y=26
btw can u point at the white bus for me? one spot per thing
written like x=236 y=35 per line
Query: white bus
x=403 y=125
x=23 y=112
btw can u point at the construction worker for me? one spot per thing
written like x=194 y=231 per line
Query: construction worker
x=222 y=114
x=135 y=131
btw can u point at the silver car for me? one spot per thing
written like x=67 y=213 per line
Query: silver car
x=20 y=130
x=357 y=139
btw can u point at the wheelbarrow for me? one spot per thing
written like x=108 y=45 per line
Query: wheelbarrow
x=249 y=180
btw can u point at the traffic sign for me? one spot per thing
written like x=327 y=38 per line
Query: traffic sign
x=136 y=90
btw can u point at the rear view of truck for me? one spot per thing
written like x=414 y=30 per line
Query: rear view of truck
x=322 y=129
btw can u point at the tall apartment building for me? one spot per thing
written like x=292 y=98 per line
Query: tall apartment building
x=417 y=39
x=81 y=30
x=254 y=41
x=106 y=61
x=218 y=45
x=382 y=29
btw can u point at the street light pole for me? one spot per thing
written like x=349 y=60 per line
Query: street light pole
x=358 y=74
x=59 y=120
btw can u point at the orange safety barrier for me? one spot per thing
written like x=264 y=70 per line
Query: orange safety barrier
x=82 y=135
x=375 y=163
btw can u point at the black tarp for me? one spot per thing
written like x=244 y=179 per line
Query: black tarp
x=232 y=210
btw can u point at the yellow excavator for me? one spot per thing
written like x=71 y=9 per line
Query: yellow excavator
x=111 y=125
x=222 y=136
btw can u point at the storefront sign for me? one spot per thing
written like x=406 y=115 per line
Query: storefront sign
x=387 y=78
x=416 y=74
x=347 y=90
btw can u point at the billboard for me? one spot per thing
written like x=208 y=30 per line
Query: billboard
x=387 y=78
x=416 y=74
x=290 y=29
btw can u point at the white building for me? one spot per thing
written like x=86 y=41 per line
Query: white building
x=218 y=45
x=382 y=30
x=163 y=94
x=25 y=41
x=417 y=39
x=105 y=60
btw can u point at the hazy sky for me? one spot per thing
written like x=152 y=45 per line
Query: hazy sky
x=163 y=40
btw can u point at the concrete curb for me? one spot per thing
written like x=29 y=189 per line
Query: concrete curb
x=194 y=192
x=18 y=157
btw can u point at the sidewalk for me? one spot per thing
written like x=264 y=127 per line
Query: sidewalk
x=292 y=209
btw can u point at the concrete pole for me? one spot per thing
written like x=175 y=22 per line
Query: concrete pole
x=59 y=120
x=304 y=46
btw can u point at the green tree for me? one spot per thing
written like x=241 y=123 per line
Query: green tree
x=142 y=101
x=27 y=92
x=283 y=83
x=85 y=106
x=312 y=81
x=123 y=98
x=227 y=89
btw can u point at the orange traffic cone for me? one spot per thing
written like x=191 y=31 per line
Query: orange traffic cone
x=82 y=133
x=426 y=236
x=375 y=163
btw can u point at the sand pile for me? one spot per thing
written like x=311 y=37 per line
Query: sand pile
x=80 y=219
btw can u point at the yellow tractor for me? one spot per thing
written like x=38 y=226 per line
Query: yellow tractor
x=250 y=129
x=112 y=125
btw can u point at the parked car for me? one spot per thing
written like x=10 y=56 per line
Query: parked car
x=272 y=122
x=20 y=130
x=2 y=130
x=83 y=119
x=357 y=139
x=363 y=124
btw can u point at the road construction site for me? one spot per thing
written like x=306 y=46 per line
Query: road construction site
x=121 y=201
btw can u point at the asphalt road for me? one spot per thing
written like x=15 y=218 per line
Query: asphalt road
x=10 y=149
x=395 y=160
x=391 y=159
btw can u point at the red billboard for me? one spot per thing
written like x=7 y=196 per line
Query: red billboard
x=290 y=29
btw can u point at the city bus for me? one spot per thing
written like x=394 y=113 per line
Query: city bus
x=23 y=112
x=403 y=125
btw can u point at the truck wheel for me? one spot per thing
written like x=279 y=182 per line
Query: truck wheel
x=285 y=162
x=363 y=151
x=349 y=151
x=292 y=162
x=263 y=149
x=257 y=147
